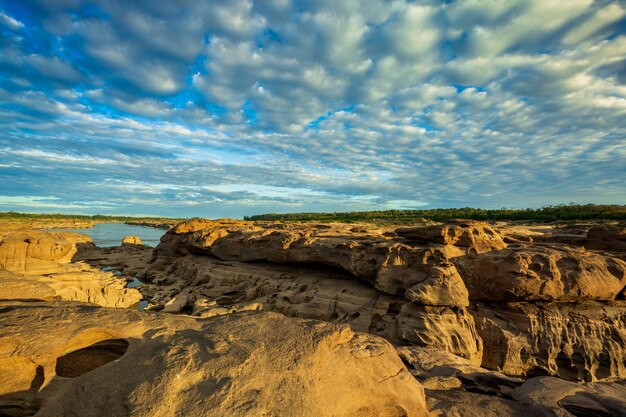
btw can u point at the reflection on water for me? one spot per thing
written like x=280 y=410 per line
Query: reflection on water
x=111 y=234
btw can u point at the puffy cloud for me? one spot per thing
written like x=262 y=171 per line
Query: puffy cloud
x=238 y=107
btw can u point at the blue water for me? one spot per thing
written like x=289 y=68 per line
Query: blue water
x=111 y=234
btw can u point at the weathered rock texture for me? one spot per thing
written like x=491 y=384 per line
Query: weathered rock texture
x=74 y=360
x=131 y=240
x=575 y=341
x=541 y=273
x=35 y=265
x=391 y=266
x=410 y=285
x=607 y=238
x=35 y=252
x=209 y=286
x=473 y=237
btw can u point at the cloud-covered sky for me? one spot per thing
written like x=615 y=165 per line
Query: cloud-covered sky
x=234 y=107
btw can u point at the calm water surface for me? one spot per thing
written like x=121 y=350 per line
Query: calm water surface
x=111 y=234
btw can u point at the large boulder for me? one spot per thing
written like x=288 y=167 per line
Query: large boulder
x=37 y=252
x=472 y=236
x=132 y=240
x=80 y=360
x=553 y=397
x=542 y=273
x=607 y=238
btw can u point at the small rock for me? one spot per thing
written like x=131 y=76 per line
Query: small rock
x=131 y=240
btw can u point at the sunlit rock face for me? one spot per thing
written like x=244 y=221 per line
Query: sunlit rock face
x=73 y=359
x=416 y=286
x=489 y=321
x=36 y=265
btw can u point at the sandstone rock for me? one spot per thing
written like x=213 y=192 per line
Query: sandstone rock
x=575 y=341
x=542 y=273
x=34 y=265
x=442 y=368
x=245 y=364
x=36 y=252
x=459 y=403
x=131 y=240
x=75 y=282
x=177 y=303
x=194 y=225
x=477 y=237
x=312 y=292
x=558 y=398
x=607 y=238
x=389 y=265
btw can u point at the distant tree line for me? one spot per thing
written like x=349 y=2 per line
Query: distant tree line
x=96 y=217
x=561 y=212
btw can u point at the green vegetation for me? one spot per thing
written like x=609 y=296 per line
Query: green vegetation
x=11 y=215
x=561 y=212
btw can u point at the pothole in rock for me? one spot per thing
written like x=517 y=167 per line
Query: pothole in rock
x=81 y=361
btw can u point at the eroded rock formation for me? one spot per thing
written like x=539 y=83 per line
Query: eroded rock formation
x=411 y=285
x=70 y=359
x=513 y=322
x=542 y=273
x=36 y=265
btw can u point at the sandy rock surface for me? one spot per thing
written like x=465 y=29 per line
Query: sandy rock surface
x=492 y=321
x=36 y=265
x=131 y=240
x=81 y=360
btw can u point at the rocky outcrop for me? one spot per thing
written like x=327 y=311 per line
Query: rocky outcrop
x=36 y=252
x=471 y=236
x=391 y=266
x=206 y=286
x=607 y=238
x=552 y=397
x=574 y=341
x=411 y=287
x=542 y=273
x=79 y=360
x=35 y=265
x=132 y=240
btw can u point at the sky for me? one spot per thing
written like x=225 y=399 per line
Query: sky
x=227 y=108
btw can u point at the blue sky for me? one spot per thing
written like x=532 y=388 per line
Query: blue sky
x=228 y=108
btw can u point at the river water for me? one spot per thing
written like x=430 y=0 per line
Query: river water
x=111 y=234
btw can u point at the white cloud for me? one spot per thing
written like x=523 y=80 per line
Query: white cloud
x=320 y=104
x=10 y=21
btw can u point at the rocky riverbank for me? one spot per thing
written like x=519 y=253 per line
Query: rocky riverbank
x=490 y=321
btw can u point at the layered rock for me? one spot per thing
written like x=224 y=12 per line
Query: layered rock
x=574 y=341
x=417 y=288
x=35 y=265
x=542 y=273
x=206 y=286
x=80 y=360
x=552 y=397
x=607 y=238
x=391 y=266
x=36 y=252
x=471 y=236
